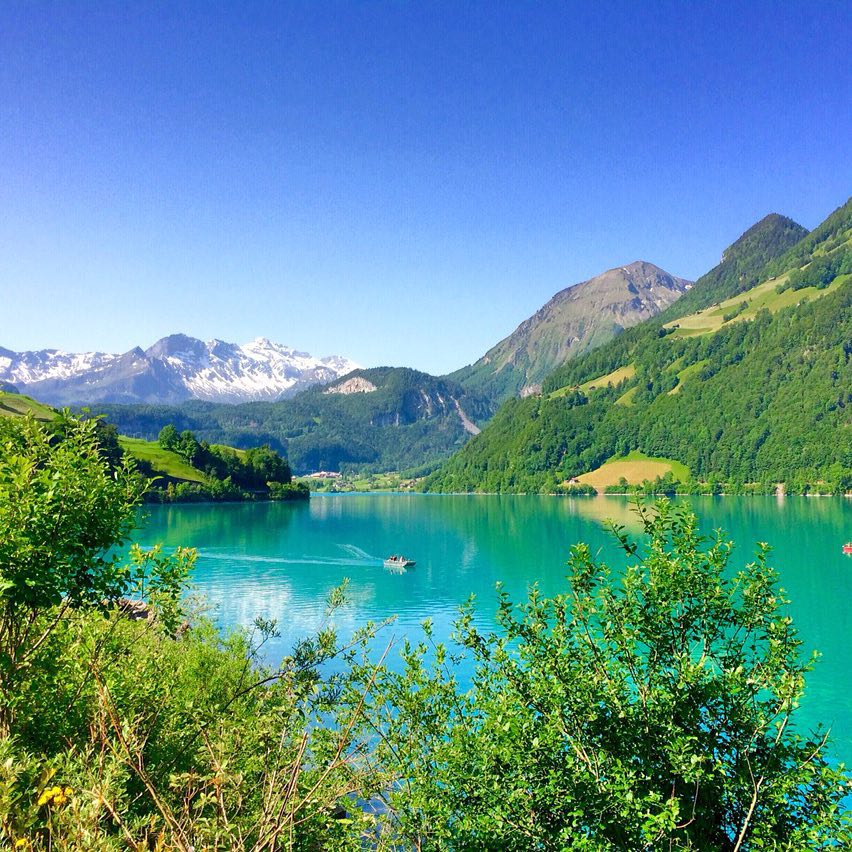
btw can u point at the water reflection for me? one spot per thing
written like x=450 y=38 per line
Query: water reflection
x=282 y=560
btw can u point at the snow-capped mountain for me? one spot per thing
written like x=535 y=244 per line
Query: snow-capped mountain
x=174 y=369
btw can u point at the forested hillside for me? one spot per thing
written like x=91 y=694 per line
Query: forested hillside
x=742 y=264
x=377 y=419
x=753 y=389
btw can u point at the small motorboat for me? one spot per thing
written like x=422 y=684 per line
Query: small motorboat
x=847 y=548
x=399 y=562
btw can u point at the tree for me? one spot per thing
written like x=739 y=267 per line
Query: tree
x=267 y=466
x=168 y=437
x=111 y=448
x=187 y=445
x=63 y=511
x=645 y=709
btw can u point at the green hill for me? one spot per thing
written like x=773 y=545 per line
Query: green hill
x=757 y=389
x=155 y=459
x=161 y=461
x=378 y=419
x=14 y=404
x=190 y=470
x=743 y=264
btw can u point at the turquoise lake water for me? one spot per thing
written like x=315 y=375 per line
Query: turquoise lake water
x=281 y=560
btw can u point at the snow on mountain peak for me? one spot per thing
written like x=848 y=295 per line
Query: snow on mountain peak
x=174 y=368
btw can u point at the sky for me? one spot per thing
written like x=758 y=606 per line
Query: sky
x=399 y=182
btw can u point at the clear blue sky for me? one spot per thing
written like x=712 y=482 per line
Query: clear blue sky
x=399 y=182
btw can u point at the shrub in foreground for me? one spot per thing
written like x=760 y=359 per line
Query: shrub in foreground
x=650 y=708
x=122 y=729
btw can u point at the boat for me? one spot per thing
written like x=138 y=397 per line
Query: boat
x=847 y=548
x=399 y=562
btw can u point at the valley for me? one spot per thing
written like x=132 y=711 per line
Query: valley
x=738 y=381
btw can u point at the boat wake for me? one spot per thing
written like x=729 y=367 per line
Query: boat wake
x=358 y=553
x=357 y=558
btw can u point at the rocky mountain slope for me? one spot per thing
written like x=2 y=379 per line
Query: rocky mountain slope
x=174 y=369
x=575 y=320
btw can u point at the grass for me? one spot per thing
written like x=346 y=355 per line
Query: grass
x=614 y=378
x=237 y=452
x=635 y=467
x=627 y=397
x=610 y=379
x=163 y=461
x=685 y=373
x=762 y=296
x=18 y=405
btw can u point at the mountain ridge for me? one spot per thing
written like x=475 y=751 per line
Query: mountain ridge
x=576 y=319
x=374 y=419
x=174 y=369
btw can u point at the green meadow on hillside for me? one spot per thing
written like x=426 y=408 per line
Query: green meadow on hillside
x=161 y=460
x=749 y=387
x=611 y=379
x=765 y=296
x=686 y=372
x=634 y=468
x=17 y=405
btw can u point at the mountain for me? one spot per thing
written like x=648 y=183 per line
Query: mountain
x=378 y=419
x=742 y=263
x=174 y=369
x=574 y=321
x=746 y=380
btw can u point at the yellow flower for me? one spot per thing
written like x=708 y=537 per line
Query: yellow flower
x=54 y=795
x=22 y=843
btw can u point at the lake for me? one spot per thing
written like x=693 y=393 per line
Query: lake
x=281 y=560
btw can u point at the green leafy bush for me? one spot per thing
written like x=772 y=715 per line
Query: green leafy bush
x=651 y=708
x=128 y=723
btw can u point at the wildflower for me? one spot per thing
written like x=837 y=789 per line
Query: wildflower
x=22 y=843
x=55 y=795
